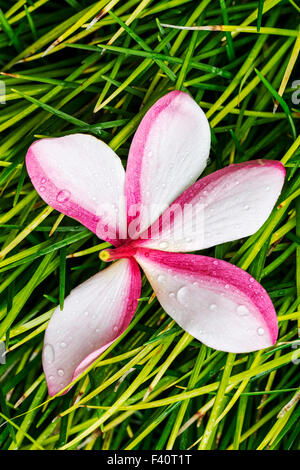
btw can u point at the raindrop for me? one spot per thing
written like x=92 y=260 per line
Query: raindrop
x=49 y=354
x=246 y=207
x=63 y=196
x=172 y=295
x=183 y=295
x=60 y=372
x=212 y=307
x=51 y=377
x=267 y=188
x=242 y=310
x=163 y=245
x=227 y=286
x=161 y=278
x=86 y=313
x=42 y=189
x=216 y=262
x=63 y=345
x=43 y=180
x=116 y=328
x=260 y=331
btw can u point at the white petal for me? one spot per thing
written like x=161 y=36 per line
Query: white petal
x=229 y=204
x=83 y=178
x=168 y=153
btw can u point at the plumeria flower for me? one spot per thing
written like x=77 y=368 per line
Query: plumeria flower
x=151 y=215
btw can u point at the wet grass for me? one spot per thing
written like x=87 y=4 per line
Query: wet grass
x=96 y=67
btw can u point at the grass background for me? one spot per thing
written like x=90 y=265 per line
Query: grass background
x=73 y=65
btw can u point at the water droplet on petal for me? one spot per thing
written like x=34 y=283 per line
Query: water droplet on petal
x=161 y=278
x=60 y=372
x=212 y=307
x=246 y=207
x=260 y=331
x=242 y=310
x=49 y=354
x=63 y=196
x=63 y=345
x=86 y=313
x=172 y=295
x=183 y=295
x=43 y=180
x=163 y=245
x=42 y=189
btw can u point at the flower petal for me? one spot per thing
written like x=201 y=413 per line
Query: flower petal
x=168 y=152
x=214 y=301
x=83 y=178
x=94 y=315
x=226 y=205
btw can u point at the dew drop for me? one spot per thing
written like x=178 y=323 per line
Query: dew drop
x=116 y=328
x=63 y=196
x=183 y=295
x=63 y=345
x=260 y=331
x=49 y=354
x=216 y=262
x=163 y=245
x=172 y=295
x=267 y=188
x=212 y=307
x=242 y=310
x=43 y=180
x=42 y=189
x=86 y=313
x=246 y=207
x=227 y=286
x=60 y=372
x=161 y=278
x=51 y=377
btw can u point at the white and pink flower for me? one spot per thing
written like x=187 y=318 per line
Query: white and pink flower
x=151 y=215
